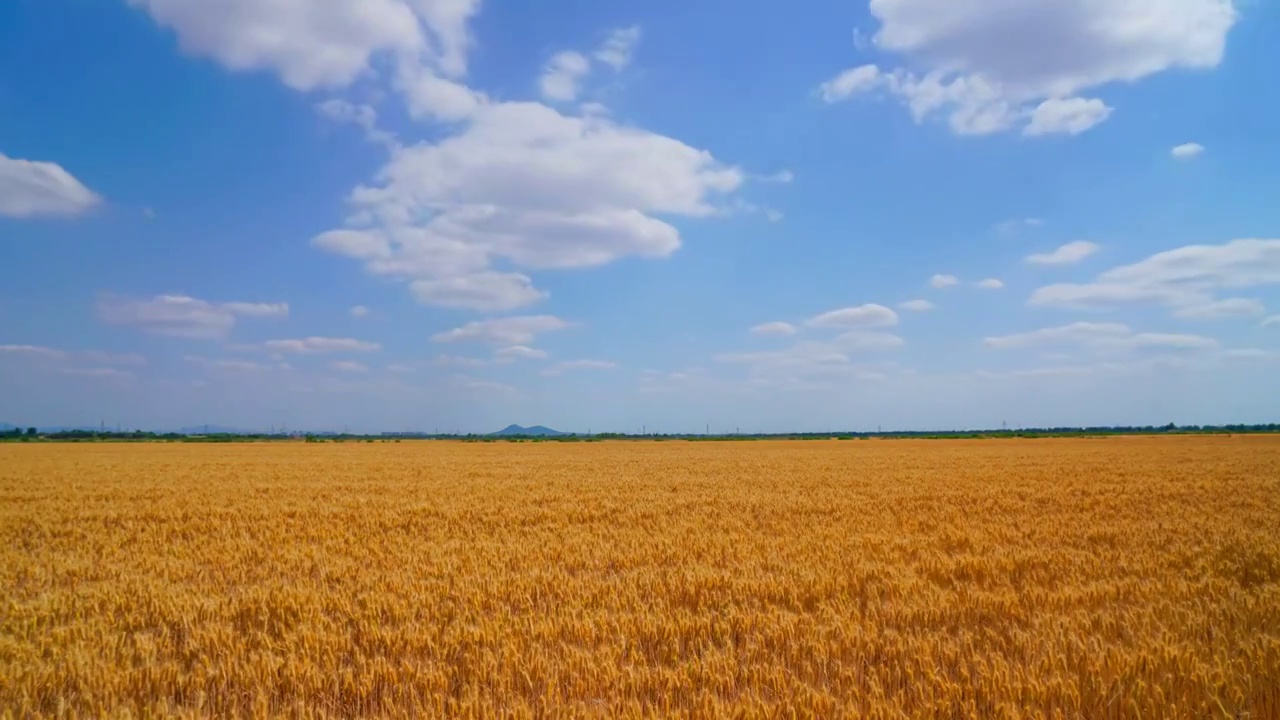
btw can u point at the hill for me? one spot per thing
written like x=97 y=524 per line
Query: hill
x=535 y=431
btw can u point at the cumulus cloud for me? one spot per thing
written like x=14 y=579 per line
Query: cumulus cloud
x=1066 y=116
x=530 y=187
x=809 y=364
x=569 y=365
x=312 y=45
x=1187 y=151
x=360 y=115
x=944 y=281
x=506 y=331
x=917 y=305
x=320 y=346
x=991 y=284
x=991 y=65
x=1014 y=225
x=359 y=311
x=33 y=351
x=1069 y=254
x=227 y=365
x=1101 y=337
x=181 y=315
x=96 y=357
x=33 y=189
x=1218 y=309
x=1180 y=278
x=484 y=291
x=257 y=309
x=519 y=352
x=774 y=328
x=863 y=316
x=619 y=48
x=563 y=75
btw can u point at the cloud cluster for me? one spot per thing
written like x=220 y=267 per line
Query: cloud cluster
x=33 y=189
x=527 y=187
x=181 y=315
x=1186 y=279
x=508 y=331
x=315 y=45
x=1099 y=337
x=1069 y=254
x=74 y=362
x=320 y=346
x=994 y=65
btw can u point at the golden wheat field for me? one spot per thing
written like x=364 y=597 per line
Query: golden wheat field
x=1105 y=578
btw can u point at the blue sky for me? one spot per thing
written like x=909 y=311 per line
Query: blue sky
x=457 y=214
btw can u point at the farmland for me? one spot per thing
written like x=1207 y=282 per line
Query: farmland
x=1125 y=577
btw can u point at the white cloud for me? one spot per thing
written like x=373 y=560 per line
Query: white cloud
x=562 y=367
x=484 y=291
x=1099 y=337
x=319 y=44
x=520 y=352
x=320 y=345
x=806 y=363
x=32 y=189
x=1187 y=151
x=1014 y=225
x=774 y=328
x=991 y=284
x=96 y=357
x=858 y=340
x=563 y=75
x=34 y=351
x=851 y=82
x=917 y=305
x=257 y=309
x=1066 y=116
x=227 y=365
x=863 y=316
x=782 y=177
x=349 y=366
x=618 y=50
x=458 y=361
x=181 y=315
x=508 y=331
x=1273 y=320
x=1072 y=252
x=1250 y=354
x=527 y=186
x=362 y=116
x=431 y=97
x=991 y=65
x=101 y=372
x=1177 y=278
x=105 y=358
x=1218 y=309
x=944 y=281
x=359 y=311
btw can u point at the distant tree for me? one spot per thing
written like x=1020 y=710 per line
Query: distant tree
x=31 y=432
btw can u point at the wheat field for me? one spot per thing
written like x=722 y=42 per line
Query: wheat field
x=1103 y=578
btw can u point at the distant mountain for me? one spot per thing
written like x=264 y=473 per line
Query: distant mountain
x=535 y=431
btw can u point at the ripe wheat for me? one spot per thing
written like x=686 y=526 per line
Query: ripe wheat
x=1118 y=578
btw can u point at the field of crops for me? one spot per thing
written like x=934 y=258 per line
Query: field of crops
x=1116 y=578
